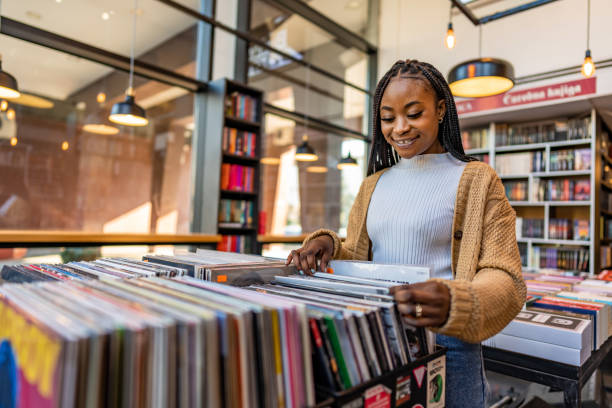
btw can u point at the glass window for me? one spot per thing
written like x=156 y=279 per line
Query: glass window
x=165 y=37
x=61 y=173
x=351 y=14
x=300 y=38
x=300 y=197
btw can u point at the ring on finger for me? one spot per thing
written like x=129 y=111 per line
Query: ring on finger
x=418 y=311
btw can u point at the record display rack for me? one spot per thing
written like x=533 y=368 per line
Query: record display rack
x=421 y=382
x=220 y=116
x=547 y=209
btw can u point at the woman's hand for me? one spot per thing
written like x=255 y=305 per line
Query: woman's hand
x=305 y=258
x=433 y=298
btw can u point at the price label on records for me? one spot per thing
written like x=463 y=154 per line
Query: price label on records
x=378 y=397
x=402 y=390
x=436 y=382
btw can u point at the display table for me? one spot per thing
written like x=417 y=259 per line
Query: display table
x=562 y=377
x=28 y=239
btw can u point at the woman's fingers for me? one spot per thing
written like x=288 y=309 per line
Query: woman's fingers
x=325 y=261
x=409 y=309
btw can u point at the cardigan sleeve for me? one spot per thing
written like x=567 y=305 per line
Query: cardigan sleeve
x=357 y=244
x=482 y=307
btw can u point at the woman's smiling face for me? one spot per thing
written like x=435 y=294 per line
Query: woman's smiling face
x=409 y=116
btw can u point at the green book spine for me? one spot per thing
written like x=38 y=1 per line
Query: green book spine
x=335 y=342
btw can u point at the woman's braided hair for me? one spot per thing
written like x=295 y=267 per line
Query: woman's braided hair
x=382 y=155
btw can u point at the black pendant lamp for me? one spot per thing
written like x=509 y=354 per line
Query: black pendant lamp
x=128 y=113
x=305 y=152
x=588 y=66
x=481 y=77
x=347 y=162
x=8 y=84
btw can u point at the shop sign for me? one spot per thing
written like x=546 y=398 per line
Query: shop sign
x=564 y=90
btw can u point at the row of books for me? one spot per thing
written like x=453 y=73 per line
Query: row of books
x=562 y=228
x=236 y=213
x=236 y=177
x=606 y=228
x=241 y=106
x=516 y=190
x=475 y=138
x=605 y=200
x=529 y=228
x=184 y=341
x=605 y=253
x=560 y=130
x=236 y=243
x=569 y=259
x=239 y=143
x=566 y=318
x=562 y=190
x=520 y=163
x=570 y=159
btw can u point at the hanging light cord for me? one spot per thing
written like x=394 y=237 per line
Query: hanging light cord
x=450 y=13
x=479 y=40
x=131 y=80
x=588 y=24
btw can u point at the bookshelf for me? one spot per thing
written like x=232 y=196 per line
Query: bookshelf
x=233 y=141
x=547 y=179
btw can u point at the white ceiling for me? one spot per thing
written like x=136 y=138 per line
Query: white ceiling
x=56 y=74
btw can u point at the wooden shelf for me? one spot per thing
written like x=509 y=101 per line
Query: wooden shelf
x=234 y=158
x=234 y=122
x=283 y=239
x=554 y=241
x=540 y=146
x=606 y=212
x=477 y=151
x=237 y=230
x=562 y=173
x=607 y=185
x=549 y=203
x=606 y=157
x=513 y=176
x=238 y=194
x=60 y=238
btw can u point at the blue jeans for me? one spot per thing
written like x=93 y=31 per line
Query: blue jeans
x=466 y=385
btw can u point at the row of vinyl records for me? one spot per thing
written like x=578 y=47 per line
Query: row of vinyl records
x=549 y=190
x=236 y=213
x=241 y=106
x=239 y=142
x=243 y=244
x=236 y=177
x=556 y=131
x=98 y=339
x=566 y=318
x=568 y=259
x=520 y=163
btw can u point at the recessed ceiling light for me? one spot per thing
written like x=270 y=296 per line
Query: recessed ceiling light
x=105 y=15
x=58 y=1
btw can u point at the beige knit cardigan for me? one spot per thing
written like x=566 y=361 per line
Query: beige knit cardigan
x=488 y=289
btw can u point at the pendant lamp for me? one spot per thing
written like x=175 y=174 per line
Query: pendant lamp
x=128 y=113
x=347 y=162
x=481 y=77
x=305 y=152
x=588 y=67
x=8 y=84
x=450 y=40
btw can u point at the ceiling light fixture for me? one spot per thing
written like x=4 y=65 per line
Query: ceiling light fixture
x=100 y=129
x=8 y=84
x=128 y=113
x=270 y=160
x=10 y=114
x=588 y=67
x=450 y=39
x=32 y=101
x=305 y=152
x=65 y=145
x=3 y=106
x=481 y=77
x=316 y=169
x=347 y=162
x=13 y=141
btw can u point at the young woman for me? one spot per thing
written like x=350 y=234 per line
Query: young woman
x=425 y=202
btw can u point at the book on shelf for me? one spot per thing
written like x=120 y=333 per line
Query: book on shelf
x=236 y=213
x=570 y=259
x=529 y=228
x=516 y=190
x=551 y=131
x=236 y=177
x=241 y=106
x=562 y=189
x=236 y=243
x=570 y=159
x=605 y=255
x=605 y=200
x=239 y=143
x=520 y=163
x=562 y=228
x=475 y=138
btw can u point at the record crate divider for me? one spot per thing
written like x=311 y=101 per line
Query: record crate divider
x=593 y=175
x=217 y=120
x=398 y=388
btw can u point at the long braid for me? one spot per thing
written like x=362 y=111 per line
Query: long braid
x=382 y=155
